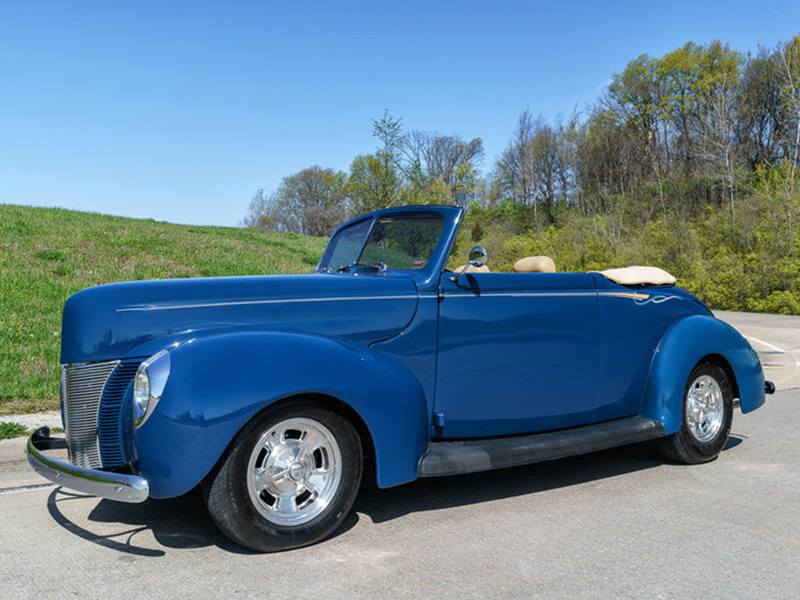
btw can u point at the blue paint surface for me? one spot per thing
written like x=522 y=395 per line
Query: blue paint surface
x=492 y=354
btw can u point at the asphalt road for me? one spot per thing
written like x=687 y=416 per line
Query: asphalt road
x=776 y=338
x=617 y=524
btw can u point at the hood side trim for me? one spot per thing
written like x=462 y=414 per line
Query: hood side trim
x=256 y=302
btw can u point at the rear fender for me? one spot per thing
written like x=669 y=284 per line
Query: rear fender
x=686 y=343
x=218 y=384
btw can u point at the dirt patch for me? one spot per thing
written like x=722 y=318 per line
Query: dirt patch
x=24 y=407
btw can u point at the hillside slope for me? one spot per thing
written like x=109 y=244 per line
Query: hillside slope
x=48 y=254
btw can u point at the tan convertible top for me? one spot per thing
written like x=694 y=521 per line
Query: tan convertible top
x=639 y=276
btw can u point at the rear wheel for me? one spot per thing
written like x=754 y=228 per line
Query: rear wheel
x=707 y=416
x=288 y=481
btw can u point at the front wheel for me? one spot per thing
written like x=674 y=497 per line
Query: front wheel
x=707 y=416
x=288 y=481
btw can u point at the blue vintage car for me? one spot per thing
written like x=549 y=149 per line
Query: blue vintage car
x=274 y=394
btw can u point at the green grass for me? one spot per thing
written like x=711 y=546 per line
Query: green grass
x=48 y=254
x=12 y=430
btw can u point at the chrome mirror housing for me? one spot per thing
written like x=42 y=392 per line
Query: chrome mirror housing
x=477 y=258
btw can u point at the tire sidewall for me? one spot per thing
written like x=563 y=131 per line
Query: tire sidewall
x=704 y=451
x=229 y=501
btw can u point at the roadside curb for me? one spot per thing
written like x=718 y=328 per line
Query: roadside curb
x=12 y=452
x=33 y=421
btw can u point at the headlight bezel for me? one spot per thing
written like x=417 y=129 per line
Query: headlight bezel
x=148 y=386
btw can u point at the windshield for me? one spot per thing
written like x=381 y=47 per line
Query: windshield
x=395 y=242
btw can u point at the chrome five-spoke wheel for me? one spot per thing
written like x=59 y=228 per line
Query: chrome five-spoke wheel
x=294 y=471
x=705 y=408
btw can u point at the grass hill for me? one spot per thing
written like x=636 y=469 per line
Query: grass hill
x=48 y=254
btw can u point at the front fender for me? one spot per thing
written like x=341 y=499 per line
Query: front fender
x=217 y=384
x=685 y=344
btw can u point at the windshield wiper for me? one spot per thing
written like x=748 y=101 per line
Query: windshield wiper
x=379 y=267
x=374 y=266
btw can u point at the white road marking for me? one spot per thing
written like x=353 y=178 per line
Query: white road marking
x=763 y=343
x=27 y=488
x=773 y=347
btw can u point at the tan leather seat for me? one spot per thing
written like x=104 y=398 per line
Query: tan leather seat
x=535 y=264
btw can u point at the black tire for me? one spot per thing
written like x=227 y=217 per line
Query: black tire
x=707 y=414
x=260 y=494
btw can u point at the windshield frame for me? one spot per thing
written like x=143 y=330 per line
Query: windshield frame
x=327 y=254
x=430 y=272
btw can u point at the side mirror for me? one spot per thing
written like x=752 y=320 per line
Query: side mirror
x=477 y=258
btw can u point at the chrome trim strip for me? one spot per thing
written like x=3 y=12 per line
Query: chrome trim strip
x=633 y=295
x=255 y=302
x=630 y=295
x=519 y=294
x=115 y=486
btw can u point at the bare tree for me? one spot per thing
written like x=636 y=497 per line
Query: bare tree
x=261 y=213
x=515 y=167
x=717 y=89
x=312 y=202
x=537 y=167
x=447 y=159
x=789 y=57
x=760 y=121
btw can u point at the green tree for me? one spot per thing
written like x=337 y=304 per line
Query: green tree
x=312 y=202
x=678 y=72
x=374 y=184
x=779 y=187
x=376 y=180
x=389 y=132
x=638 y=92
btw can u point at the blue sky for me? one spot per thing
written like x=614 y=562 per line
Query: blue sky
x=179 y=111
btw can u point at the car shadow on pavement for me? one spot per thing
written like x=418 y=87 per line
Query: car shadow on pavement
x=184 y=523
x=476 y=488
x=179 y=523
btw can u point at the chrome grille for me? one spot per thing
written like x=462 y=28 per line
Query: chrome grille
x=115 y=419
x=83 y=389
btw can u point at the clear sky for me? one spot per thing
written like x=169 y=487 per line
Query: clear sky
x=180 y=110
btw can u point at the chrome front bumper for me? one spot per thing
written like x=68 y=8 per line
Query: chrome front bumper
x=115 y=486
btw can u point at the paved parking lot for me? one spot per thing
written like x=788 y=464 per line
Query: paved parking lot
x=617 y=524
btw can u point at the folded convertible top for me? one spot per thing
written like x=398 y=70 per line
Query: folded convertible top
x=639 y=276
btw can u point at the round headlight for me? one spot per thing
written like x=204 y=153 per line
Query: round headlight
x=148 y=385
x=141 y=395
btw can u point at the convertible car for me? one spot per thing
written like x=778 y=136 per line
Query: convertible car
x=275 y=394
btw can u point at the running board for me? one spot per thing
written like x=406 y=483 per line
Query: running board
x=471 y=456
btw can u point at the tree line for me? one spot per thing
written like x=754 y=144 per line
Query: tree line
x=688 y=161
x=416 y=167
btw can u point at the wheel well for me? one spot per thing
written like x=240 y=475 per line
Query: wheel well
x=331 y=403
x=338 y=406
x=723 y=363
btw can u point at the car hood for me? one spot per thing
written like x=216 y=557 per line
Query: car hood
x=138 y=318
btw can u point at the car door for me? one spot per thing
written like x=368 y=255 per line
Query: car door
x=517 y=353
